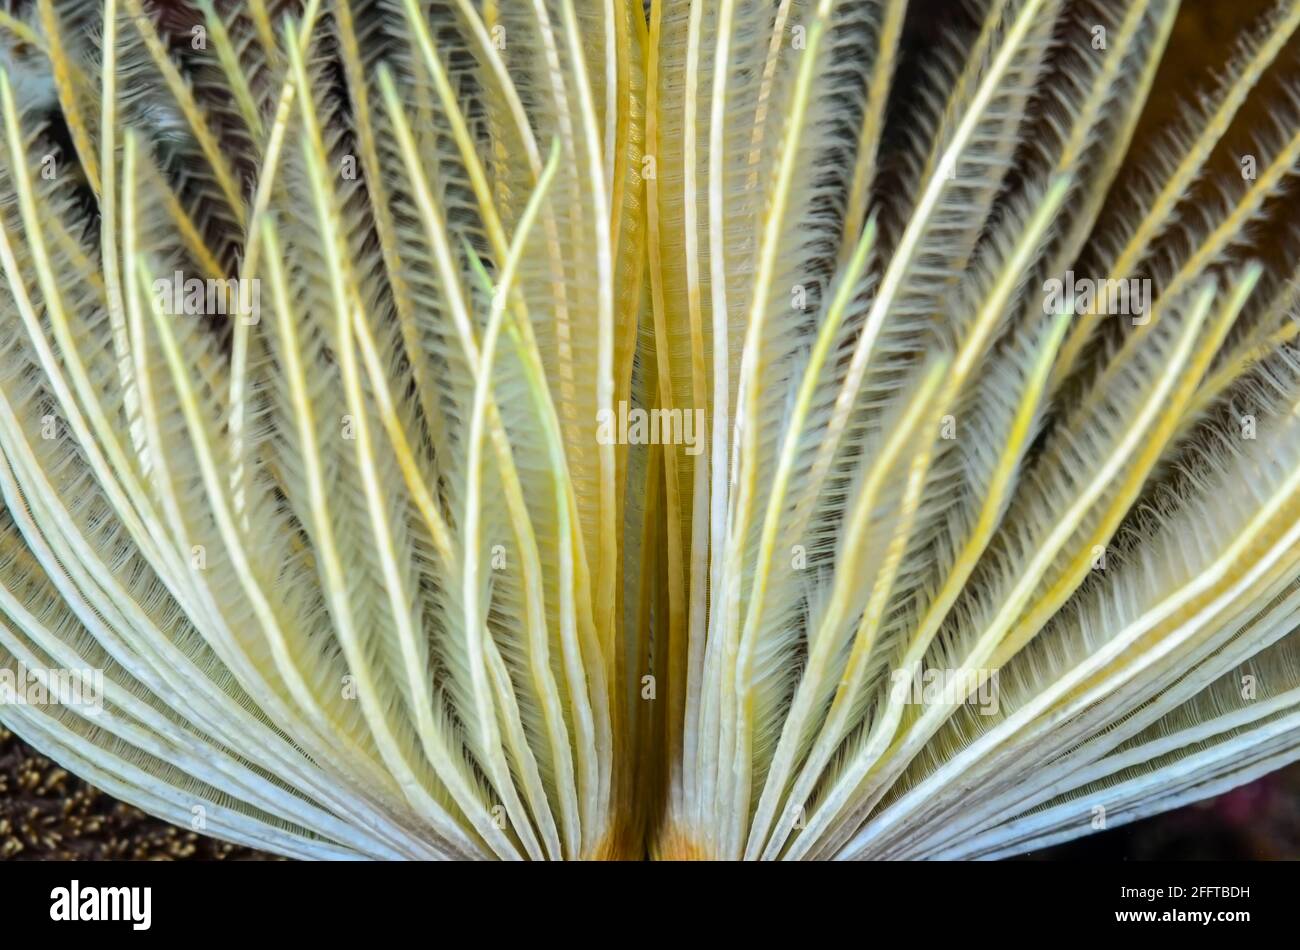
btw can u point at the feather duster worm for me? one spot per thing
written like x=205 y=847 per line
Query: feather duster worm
x=459 y=429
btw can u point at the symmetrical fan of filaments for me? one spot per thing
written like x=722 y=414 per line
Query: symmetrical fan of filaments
x=366 y=573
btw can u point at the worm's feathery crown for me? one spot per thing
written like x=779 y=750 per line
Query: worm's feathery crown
x=707 y=432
